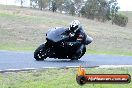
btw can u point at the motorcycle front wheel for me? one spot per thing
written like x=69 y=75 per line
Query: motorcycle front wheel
x=40 y=53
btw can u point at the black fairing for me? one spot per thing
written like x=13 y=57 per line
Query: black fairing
x=56 y=34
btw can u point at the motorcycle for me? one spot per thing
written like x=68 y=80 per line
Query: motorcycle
x=59 y=45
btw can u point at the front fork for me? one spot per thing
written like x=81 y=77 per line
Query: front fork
x=49 y=49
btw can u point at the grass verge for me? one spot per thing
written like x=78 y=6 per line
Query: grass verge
x=58 y=78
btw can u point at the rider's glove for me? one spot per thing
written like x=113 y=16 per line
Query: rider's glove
x=71 y=34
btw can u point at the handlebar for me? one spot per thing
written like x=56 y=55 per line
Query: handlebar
x=73 y=43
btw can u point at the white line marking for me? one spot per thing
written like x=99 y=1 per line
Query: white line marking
x=114 y=66
x=28 y=68
x=101 y=66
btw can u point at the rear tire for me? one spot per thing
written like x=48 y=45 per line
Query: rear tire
x=40 y=53
x=78 y=55
x=75 y=56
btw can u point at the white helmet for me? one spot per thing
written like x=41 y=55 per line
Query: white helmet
x=74 y=25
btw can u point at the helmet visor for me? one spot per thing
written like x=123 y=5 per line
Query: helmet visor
x=73 y=28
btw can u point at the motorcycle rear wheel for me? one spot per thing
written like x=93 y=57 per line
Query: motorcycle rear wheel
x=78 y=55
x=40 y=53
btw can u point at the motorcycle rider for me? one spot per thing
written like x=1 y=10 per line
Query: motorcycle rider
x=78 y=35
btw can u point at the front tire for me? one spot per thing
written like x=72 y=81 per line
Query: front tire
x=40 y=53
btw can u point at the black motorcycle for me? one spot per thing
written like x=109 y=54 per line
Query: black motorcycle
x=60 y=45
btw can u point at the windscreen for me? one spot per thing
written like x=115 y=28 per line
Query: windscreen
x=56 y=34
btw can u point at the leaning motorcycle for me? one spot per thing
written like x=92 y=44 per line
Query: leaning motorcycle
x=59 y=45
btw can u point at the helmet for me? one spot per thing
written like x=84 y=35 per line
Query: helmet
x=74 y=25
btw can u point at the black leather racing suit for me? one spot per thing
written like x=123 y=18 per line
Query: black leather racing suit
x=81 y=38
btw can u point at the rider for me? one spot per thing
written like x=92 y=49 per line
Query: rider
x=77 y=33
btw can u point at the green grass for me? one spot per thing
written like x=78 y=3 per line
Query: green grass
x=23 y=29
x=58 y=78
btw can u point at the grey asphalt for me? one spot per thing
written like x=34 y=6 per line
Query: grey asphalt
x=19 y=60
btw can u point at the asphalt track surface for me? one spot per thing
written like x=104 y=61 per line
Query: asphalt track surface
x=20 y=60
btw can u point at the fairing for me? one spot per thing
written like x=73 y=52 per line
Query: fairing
x=56 y=34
